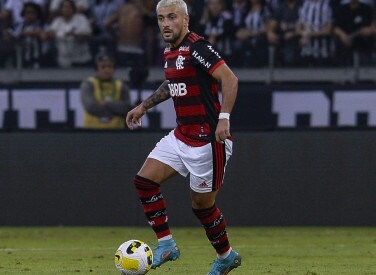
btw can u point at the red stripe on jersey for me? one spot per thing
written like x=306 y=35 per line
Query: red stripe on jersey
x=194 y=142
x=193 y=37
x=173 y=73
x=184 y=133
x=193 y=90
x=214 y=88
x=216 y=66
x=187 y=101
x=205 y=128
x=190 y=110
x=217 y=106
x=172 y=55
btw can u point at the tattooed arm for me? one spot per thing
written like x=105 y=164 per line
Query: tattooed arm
x=160 y=95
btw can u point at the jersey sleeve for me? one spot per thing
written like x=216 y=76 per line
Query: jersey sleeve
x=205 y=56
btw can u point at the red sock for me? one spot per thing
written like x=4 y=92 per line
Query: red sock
x=215 y=226
x=154 y=205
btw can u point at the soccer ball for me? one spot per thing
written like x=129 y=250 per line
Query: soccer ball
x=133 y=257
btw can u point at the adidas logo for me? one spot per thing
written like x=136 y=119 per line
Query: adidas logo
x=203 y=184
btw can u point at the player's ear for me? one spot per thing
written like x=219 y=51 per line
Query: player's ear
x=186 y=21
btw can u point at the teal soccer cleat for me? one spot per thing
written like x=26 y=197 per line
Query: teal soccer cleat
x=223 y=267
x=165 y=251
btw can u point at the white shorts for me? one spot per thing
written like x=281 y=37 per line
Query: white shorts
x=206 y=164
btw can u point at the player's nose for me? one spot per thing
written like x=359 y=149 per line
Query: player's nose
x=165 y=24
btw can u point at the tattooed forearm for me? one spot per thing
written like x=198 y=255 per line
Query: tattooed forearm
x=160 y=95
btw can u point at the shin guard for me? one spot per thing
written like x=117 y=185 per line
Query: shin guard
x=153 y=204
x=215 y=226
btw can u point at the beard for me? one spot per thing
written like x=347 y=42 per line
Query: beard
x=173 y=38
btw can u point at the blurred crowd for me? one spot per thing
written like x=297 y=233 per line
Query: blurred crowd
x=248 y=33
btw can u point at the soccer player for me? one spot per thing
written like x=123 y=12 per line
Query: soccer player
x=200 y=145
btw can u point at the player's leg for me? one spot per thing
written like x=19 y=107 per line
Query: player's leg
x=147 y=182
x=212 y=219
x=214 y=223
x=161 y=164
x=205 y=184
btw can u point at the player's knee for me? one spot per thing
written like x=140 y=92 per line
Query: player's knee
x=203 y=200
x=144 y=183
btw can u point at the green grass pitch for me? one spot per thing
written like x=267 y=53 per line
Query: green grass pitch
x=265 y=250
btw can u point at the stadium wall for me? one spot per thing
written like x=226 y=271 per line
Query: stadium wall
x=311 y=177
x=47 y=106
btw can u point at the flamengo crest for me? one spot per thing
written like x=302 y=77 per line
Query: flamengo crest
x=179 y=62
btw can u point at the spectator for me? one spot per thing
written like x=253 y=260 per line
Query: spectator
x=282 y=32
x=127 y=25
x=81 y=5
x=274 y=4
x=253 y=34
x=7 y=48
x=29 y=35
x=217 y=27
x=105 y=99
x=150 y=30
x=101 y=13
x=195 y=10
x=351 y=27
x=314 y=28
x=372 y=31
x=71 y=31
x=239 y=10
x=11 y=14
x=11 y=18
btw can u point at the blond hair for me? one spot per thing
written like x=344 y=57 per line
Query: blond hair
x=182 y=6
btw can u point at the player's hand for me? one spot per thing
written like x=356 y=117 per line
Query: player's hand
x=223 y=130
x=134 y=116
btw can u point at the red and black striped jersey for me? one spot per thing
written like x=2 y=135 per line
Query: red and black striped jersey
x=189 y=69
